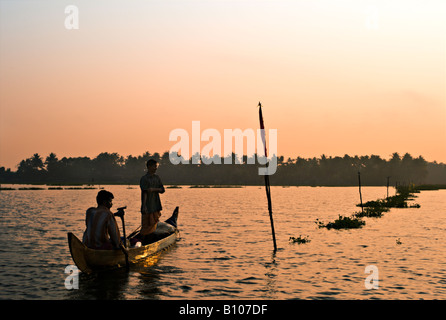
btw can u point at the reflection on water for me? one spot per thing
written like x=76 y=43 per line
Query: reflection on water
x=144 y=265
x=271 y=274
x=141 y=282
x=225 y=250
x=105 y=285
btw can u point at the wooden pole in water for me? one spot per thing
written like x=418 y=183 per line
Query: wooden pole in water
x=388 y=178
x=267 y=186
x=360 y=194
x=270 y=210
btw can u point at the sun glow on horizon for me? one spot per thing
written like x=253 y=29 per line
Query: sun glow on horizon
x=335 y=77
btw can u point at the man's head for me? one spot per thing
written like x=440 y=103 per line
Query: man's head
x=152 y=165
x=105 y=198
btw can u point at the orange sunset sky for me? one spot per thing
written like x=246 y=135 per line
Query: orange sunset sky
x=334 y=77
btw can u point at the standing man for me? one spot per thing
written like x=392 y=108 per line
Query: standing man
x=151 y=186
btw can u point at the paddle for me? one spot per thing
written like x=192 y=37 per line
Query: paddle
x=134 y=232
x=120 y=214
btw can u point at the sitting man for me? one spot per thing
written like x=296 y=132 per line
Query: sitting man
x=102 y=231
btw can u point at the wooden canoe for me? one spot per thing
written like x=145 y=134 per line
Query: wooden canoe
x=90 y=260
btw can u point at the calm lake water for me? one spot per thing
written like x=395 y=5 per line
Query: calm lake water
x=225 y=250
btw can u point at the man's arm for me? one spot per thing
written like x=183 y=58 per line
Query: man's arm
x=160 y=189
x=113 y=231
x=162 y=186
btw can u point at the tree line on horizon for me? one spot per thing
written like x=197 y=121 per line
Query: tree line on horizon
x=112 y=168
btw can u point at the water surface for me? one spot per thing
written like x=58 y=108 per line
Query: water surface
x=225 y=250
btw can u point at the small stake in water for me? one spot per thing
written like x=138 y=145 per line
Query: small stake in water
x=360 y=194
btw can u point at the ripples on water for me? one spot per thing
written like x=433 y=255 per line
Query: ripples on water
x=225 y=250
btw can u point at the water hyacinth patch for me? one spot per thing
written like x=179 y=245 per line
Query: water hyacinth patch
x=372 y=212
x=404 y=194
x=342 y=223
x=300 y=239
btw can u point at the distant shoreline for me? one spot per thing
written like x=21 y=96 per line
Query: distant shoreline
x=113 y=169
x=11 y=186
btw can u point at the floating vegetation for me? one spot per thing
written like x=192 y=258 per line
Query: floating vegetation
x=407 y=190
x=300 y=239
x=397 y=201
x=227 y=186
x=174 y=187
x=373 y=209
x=372 y=212
x=342 y=223
x=427 y=187
x=404 y=194
x=216 y=186
x=50 y=188
x=79 y=188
